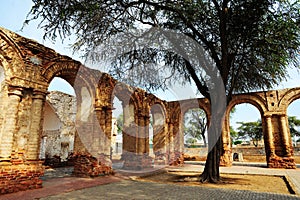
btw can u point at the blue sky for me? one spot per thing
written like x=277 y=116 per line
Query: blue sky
x=13 y=13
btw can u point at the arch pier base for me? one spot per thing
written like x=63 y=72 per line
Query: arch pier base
x=279 y=153
x=85 y=165
x=281 y=162
x=16 y=175
x=133 y=161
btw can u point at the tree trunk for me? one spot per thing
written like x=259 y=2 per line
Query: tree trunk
x=204 y=139
x=211 y=171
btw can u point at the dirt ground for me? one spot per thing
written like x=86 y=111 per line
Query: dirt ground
x=273 y=184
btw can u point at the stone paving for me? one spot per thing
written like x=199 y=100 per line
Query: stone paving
x=146 y=190
x=122 y=187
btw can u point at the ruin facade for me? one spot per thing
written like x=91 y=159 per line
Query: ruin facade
x=57 y=140
x=27 y=68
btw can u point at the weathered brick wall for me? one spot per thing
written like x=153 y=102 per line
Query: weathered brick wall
x=18 y=177
x=2 y=88
x=249 y=150
x=21 y=139
x=59 y=138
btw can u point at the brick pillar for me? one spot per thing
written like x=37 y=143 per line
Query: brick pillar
x=143 y=137
x=95 y=159
x=18 y=174
x=170 y=143
x=159 y=145
x=226 y=158
x=9 y=126
x=285 y=135
x=108 y=130
x=130 y=136
x=37 y=107
x=178 y=144
x=283 y=158
x=270 y=150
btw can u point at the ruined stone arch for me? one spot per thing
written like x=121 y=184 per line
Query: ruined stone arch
x=105 y=92
x=78 y=76
x=131 y=99
x=196 y=103
x=11 y=57
x=290 y=96
x=153 y=100
x=252 y=99
x=71 y=71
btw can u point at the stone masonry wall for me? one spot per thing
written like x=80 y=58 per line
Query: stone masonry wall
x=59 y=143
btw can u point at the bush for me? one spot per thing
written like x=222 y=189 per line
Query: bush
x=237 y=142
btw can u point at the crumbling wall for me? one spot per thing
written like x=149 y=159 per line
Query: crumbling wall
x=59 y=128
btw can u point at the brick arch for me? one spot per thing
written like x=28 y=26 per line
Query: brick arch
x=162 y=108
x=11 y=56
x=196 y=103
x=290 y=96
x=153 y=100
x=106 y=89
x=252 y=99
x=73 y=72
x=124 y=93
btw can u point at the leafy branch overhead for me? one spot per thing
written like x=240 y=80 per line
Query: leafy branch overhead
x=250 y=42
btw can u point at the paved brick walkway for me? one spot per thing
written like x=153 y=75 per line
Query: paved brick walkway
x=293 y=175
x=145 y=190
x=120 y=187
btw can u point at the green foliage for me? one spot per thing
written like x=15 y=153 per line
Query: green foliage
x=191 y=141
x=253 y=130
x=233 y=135
x=120 y=123
x=195 y=124
x=237 y=142
x=294 y=124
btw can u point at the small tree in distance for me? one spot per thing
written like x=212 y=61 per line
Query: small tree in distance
x=195 y=124
x=252 y=130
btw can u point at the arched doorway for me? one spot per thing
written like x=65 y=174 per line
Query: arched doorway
x=246 y=132
x=195 y=134
x=294 y=125
x=57 y=142
x=117 y=133
x=157 y=135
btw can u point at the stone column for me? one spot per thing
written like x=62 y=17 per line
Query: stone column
x=226 y=158
x=170 y=143
x=159 y=145
x=285 y=135
x=270 y=142
x=143 y=138
x=37 y=107
x=9 y=126
x=108 y=129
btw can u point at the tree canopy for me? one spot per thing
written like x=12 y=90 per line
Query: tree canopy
x=294 y=125
x=251 y=42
